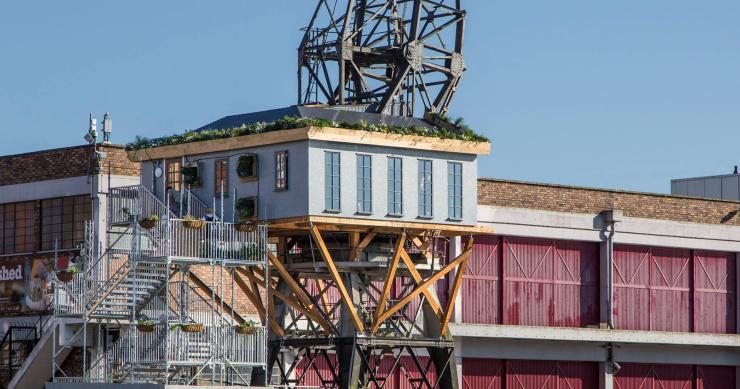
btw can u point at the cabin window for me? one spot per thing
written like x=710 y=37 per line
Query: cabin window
x=222 y=177
x=246 y=169
x=174 y=175
x=281 y=170
x=364 y=184
x=395 y=191
x=425 y=188
x=454 y=190
x=332 y=185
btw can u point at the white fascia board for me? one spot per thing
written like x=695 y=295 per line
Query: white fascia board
x=594 y=335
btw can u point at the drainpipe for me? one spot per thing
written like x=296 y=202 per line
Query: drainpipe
x=611 y=218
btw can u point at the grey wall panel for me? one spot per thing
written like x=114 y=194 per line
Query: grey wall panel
x=380 y=156
x=731 y=188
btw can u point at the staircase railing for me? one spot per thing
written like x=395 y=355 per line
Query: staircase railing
x=129 y=203
x=196 y=207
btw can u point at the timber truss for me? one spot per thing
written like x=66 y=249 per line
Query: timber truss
x=361 y=302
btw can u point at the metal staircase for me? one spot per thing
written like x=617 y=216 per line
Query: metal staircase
x=131 y=283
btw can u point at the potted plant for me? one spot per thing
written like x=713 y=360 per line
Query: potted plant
x=191 y=328
x=246 y=208
x=127 y=215
x=246 y=169
x=145 y=326
x=191 y=176
x=193 y=223
x=150 y=222
x=67 y=275
x=247 y=328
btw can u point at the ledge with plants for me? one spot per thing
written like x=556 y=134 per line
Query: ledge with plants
x=445 y=129
x=192 y=223
x=146 y=326
x=191 y=328
x=249 y=327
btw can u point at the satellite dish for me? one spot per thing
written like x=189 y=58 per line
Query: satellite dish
x=158 y=172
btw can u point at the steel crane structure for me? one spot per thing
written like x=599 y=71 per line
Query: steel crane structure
x=398 y=57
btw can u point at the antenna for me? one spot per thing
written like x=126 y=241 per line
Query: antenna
x=92 y=131
x=107 y=128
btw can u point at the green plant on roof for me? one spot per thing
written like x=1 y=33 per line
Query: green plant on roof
x=460 y=132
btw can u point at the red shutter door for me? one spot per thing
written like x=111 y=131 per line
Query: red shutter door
x=482 y=373
x=715 y=297
x=669 y=283
x=528 y=287
x=551 y=375
x=641 y=376
x=715 y=377
x=550 y=283
x=576 y=298
x=411 y=378
x=651 y=289
x=481 y=284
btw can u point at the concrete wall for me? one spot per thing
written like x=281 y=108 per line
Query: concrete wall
x=380 y=182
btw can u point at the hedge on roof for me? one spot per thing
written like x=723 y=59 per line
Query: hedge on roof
x=461 y=132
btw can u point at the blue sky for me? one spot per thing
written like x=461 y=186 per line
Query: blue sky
x=625 y=94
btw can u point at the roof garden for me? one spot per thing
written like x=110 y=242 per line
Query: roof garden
x=443 y=129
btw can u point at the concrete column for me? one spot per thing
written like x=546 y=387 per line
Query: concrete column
x=454 y=250
x=606 y=378
x=604 y=290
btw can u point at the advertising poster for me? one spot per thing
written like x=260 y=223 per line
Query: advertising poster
x=25 y=285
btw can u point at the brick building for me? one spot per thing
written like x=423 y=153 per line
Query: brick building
x=577 y=287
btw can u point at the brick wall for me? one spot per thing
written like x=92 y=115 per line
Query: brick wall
x=587 y=200
x=240 y=303
x=63 y=163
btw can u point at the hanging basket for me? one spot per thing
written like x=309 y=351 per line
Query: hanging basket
x=192 y=328
x=65 y=276
x=246 y=330
x=145 y=327
x=194 y=224
x=244 y=227
x=147 y=224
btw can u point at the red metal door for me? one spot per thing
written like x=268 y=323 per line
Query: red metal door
x=715 y=377
x=550 y=283
x=715 y=293
x=651 y=289
x=641 y=376
x=481 y=287
x=482 y=373
x=551 y=375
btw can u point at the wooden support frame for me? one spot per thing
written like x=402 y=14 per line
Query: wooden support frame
x=456 y=285
x=253 y=296
x=309 y=308
x=418 y=279
x=316 y=235
x=424 y=286
x=390 y=277
x=360 y=245
x=219 y=301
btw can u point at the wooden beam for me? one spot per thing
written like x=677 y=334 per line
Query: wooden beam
x=292 y=283
x=271 y=311
x=361 y=245
x=322 y=295
x=455 y=289
x=204 y=287
x=431 y=299
x=252 y=296
x=346 y=224
x=300 y=294
x=316 y=234
x=309 y=314
x=424 y=286
x=390 y=277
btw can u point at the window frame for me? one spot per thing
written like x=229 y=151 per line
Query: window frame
x=395 y=186
x=171 y=173
x=454 y=191
x=332 y=181
x=426 y=189
x=221 y=170
x=364 y=192
x=281 y=166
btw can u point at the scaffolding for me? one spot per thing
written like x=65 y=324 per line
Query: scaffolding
x=157 y=303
